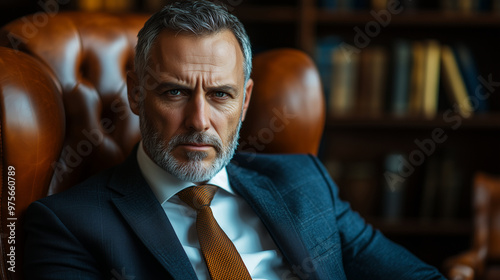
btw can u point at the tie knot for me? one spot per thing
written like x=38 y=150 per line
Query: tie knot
x=198 y=196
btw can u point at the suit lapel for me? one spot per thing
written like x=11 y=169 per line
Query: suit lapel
x=144 y=214
x=268 y=204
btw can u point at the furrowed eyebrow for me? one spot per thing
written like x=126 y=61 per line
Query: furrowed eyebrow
x=224 y=88
x=171 y=85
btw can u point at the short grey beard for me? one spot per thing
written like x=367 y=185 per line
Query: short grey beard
x=193 y=171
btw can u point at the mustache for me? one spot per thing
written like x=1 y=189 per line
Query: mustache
x=196 y=138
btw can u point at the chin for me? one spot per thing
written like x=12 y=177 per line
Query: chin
x=196 y=171
x=193 y=166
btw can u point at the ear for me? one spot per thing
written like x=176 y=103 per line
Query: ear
x=248 y=95
x=134 y=91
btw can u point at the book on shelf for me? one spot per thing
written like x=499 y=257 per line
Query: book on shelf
x=379 y=4
x=431 y=183
x=415 y=105
x=416 y=79
x=377 y=90
x=357 y=183
x=454 y=84
x=343 y=82
x=466 y=5
x=353 y=5
x=394 y=187
x=323 y=53
x=451 y=187
x=401 y=72
x=409 y=5
x=344 y=5
x=335 y=168
x=469 y=72
x=495 y=5
x=360 y=186
x=365 y=80
x=432 y=54
x=362 y=4
x=442 y=187
x=451 y=6
x=372 y=82
x=328 y=4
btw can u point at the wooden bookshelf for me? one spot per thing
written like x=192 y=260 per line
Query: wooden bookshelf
x=354 y=138
x=414 y=19
x=268 y=14
x=480 y=122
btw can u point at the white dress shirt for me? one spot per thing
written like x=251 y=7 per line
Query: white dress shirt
x=240 y=223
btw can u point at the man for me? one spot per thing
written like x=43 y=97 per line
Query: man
x=178 y=209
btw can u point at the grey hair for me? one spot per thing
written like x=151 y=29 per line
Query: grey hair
x=196 y=17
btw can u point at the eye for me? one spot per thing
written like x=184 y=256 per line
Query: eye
x=220 y=94
x=173 y=92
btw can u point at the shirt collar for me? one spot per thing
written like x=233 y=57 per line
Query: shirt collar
x=165 y=185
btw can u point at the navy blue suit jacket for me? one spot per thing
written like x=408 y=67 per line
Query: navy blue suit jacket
x=112 y=227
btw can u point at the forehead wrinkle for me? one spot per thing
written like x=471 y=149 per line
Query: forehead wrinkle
x=213 y=62
x=205 y=67
x=189 y=66
x=192 y=80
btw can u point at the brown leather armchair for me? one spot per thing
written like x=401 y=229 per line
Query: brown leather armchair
x=65 y=115
x=482 y=261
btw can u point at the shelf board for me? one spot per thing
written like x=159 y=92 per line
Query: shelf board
x=260 y=13
x=253 y=13
x=419 y=227
x=418 y=18
x=483 y=122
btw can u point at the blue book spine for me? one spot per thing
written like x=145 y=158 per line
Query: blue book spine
x=470 y=74
x=394 y=188
x=361 y=4
x=402 y=62
x=323 y=58
x=484 y=5
x=328 y=4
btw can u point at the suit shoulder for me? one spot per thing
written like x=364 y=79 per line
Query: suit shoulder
x=84 y=191
x=252 y=159
x=288 y=166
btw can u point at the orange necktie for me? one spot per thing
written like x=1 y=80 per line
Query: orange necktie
x=222 y=258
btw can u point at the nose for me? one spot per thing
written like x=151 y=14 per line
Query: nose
x=198 y=113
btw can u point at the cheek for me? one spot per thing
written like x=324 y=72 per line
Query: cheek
x=225 y=122
x=166 y=121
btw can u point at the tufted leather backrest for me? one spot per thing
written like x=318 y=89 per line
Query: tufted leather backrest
x=89 y=55
x=65 y=113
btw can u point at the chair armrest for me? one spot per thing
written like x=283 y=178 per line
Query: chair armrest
x=461 y=272
x=465 y=266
